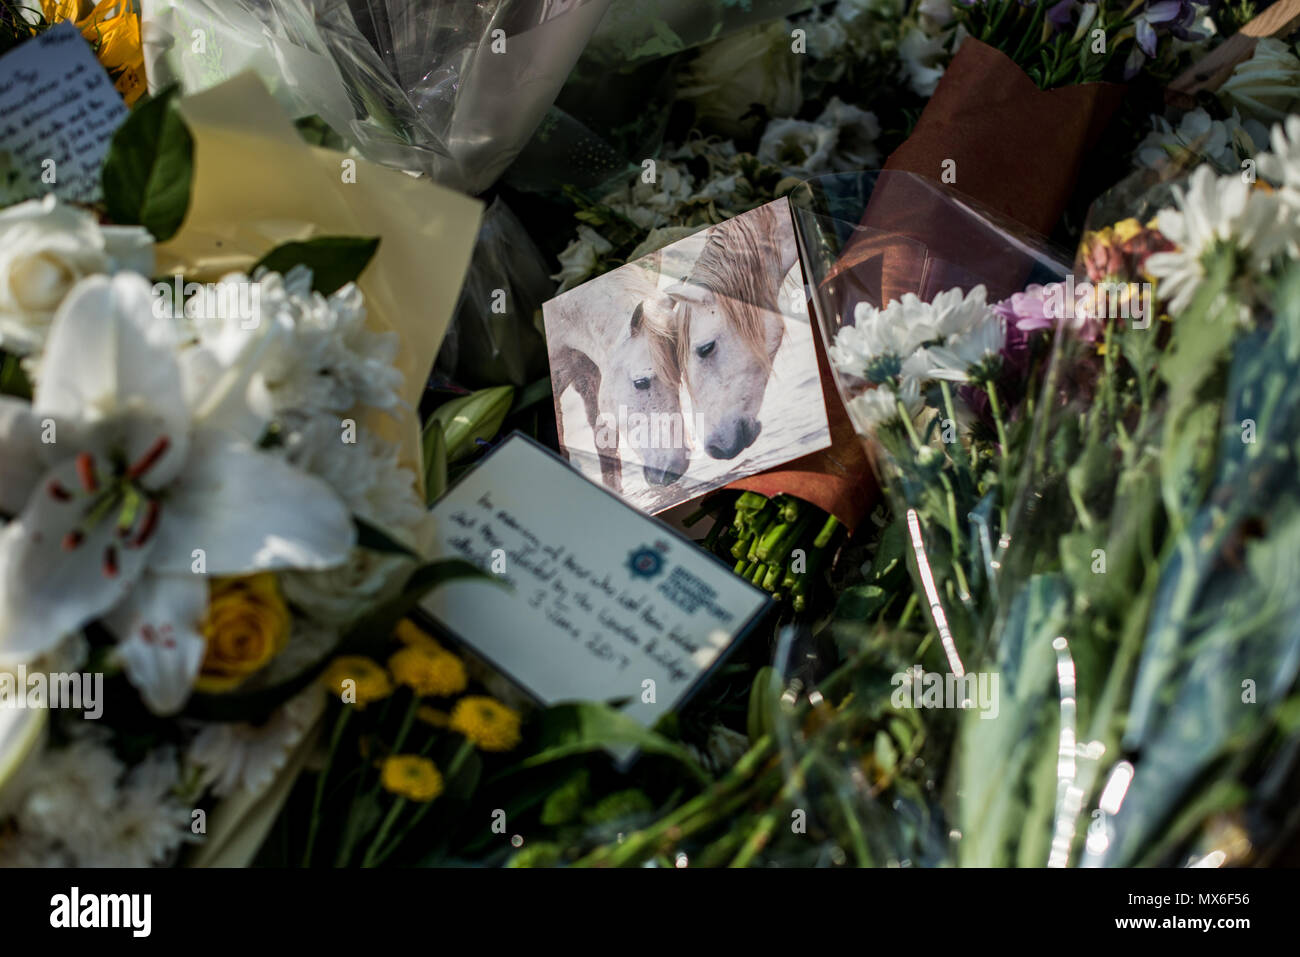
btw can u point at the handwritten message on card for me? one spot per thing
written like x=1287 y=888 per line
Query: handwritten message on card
x=592 y=600
x=58 y=112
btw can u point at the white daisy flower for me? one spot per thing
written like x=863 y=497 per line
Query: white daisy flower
x=879 y=406
x=973 y=354
x=1214 y=211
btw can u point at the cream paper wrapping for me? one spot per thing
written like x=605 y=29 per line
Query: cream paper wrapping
x=257 y=185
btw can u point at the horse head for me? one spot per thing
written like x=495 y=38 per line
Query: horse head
x=641 y=381
x=725 y=346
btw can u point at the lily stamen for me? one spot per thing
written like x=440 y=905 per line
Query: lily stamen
x=86 y=472
x=149 y=459
x=147 y=525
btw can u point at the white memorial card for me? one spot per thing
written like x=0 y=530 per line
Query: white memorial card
x=58 y=113
x=593 y=600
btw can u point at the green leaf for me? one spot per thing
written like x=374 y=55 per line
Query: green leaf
x=334 y=261
x=532 y=394
x=478 y=415
x=581 y=727
x=434 y=442
x=13 y=381
x=149 y=166
x=377 y=540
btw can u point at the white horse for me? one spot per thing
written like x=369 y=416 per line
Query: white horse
x=625 y=371
x=724 y=321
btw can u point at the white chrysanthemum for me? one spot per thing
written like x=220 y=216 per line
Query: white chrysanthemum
x=78 y=808
x=246 y=757
x=365 y=474
x=797 y=145
x=1281 y=165
x=70 y=794
x=1266 y=86
x=879 y=406
x=333 y=361
x=886 y=344
x=954 y=312
x=856 y=133
x=149 y=823
x=971 y=354
x=1214 y=211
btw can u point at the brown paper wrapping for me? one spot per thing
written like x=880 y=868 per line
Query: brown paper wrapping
x=838 y=479
x=1016 y=151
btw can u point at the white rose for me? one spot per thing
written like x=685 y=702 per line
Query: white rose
x=578 y=261
x=45 y=249
x=730 y=75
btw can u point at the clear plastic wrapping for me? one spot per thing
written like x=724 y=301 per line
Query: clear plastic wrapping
x=453 y=89
x=1100 y=510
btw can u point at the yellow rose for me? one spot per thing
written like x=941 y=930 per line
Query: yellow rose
x=247 y=625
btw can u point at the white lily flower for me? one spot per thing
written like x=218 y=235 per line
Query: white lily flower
x=128 y=485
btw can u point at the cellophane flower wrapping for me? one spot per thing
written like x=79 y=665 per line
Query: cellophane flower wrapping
x=1097 y=663
x=452 y=89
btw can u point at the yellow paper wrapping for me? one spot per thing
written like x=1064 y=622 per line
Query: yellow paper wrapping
x=257 y=184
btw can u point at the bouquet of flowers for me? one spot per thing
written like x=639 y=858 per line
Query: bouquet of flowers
x=207 y=488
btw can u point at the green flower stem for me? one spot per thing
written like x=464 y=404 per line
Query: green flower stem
x=995 y=407
x=462 y=755
x=350 y=835
x=637 y=842
x=759 y=837
x=339 y=724
x=394 y=812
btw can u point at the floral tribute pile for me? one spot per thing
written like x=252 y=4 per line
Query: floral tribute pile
x=1066 y=636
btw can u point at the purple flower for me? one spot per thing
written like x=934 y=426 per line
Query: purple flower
x=1061 y=15
x=1026 y=311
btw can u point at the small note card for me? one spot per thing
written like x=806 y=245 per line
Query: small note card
x=58 y=112
x=593 y=599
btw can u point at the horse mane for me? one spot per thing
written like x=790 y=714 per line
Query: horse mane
x=734 y=265
x=661 y=335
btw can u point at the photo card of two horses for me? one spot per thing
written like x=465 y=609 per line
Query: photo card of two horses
x=692 y=367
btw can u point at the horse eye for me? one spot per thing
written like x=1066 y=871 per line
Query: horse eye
x=641 y=384
x=705 y=350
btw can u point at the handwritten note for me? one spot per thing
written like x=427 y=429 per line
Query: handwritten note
x=58 y=112
x=599 y=602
